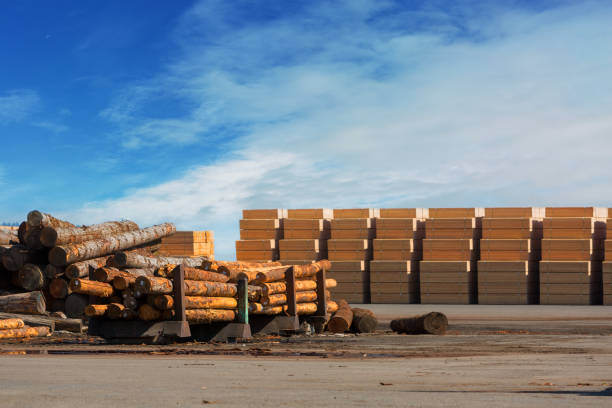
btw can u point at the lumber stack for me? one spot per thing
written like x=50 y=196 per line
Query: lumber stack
x=16 y=329
x=189 y=243
x=260 y=232
x=350 y=251
x=572 y=254
x=305 y=232
x=510 y=249
x=450 y=252
x=397 y=250
x=607 y=266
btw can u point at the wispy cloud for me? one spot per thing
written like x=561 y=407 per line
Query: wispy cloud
x=17 y=104
x=366 y=103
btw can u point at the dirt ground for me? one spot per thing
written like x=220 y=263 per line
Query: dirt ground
x=498 y=356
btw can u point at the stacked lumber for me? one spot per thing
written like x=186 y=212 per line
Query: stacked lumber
x=350 y=250
x=305 y=232
x=394 y=269
x=16 y=329
x=510 y=249
x=51 y=252
x=189 y=243
x=572 y=254
x=450 y=252
x=607 y=266
x=260 y=231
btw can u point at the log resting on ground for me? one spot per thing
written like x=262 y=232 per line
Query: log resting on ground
x=25 y=332
x=342 y=319
x=51 y=236
x=430 y=323
x=364 y=321
x=67 y=254
x=27 y=303
x=147 y=312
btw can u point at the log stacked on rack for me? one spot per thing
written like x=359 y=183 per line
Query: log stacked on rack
x=51 y=265
x=16 y=329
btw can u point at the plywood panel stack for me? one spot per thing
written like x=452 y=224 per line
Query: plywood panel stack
x=189 y=243
x=607 y=264
x=510 y=249
x=394 y=270
x=572 y=253
x=306 y=232
x=260 y=231
x=350 y=250
x=450 y=252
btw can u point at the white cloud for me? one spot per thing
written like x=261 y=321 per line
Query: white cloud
x=18 y=104
x=343 y=106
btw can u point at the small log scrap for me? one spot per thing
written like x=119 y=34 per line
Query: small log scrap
x=51 y=236
x=66 y=254
x=205 y=302
x=27 y=303
x=342 y=319
x=154 y=285
x=115 y=311
x=6 y=324
x=96 y=310
x=52 y=271
x=38 y=219
x=59 y=288
x=84 y=268
x=92 y=288
x=75 y=305
x=206 y=316
x=364 y=321
x=134 y=260
x=25 y=332
x=31 y=277
x=148 y=313
x=163 y=302
x=430 y=323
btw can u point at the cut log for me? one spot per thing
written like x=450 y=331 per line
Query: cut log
x=17 y=256
x=168 y=314
x=38 y=219
x=75 y=305
x=23 y=228
x=154 y=285
x=30 y=277
x=96 y=310
x=211 y=289
x=342 y=319
x=67 y=254
x=71 y=325
x=57 y=305
x=27 y=303
x=300 y=271
x=430 y=323
x=272 y=288
x=193 y=274
x=6 y=324
x=134 y=260
x=40 y=331
x=59 y=288
x=147 y=312
x=84 y=268
x=281 y=298
x=204 y=302
x=364 y=321
x=115 y=311
x=131 y=302
x=206 y=316
x=163 y=302
x=107 y=274
x=92 y=288
x=122 y=282
x=129 y=314
x=52 y=271
x=51 y=236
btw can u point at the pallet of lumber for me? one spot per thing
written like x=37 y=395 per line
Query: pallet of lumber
x=188 y=243
x=356 y=213
x=570 y=282
x=353 y=228
x=298 y=228
x=310 y=214
x=508 y=282
x=394 y=281
x=257 y=227
x=353 y=280
x=447 y=282
x=607 y=283
x=261 y=229
x=418 y=213
x=576 y=212
x=514 y=212
x=456 y=212
x=400 y=228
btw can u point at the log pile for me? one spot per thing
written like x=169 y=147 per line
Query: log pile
x=50 y=263
x=16 y=329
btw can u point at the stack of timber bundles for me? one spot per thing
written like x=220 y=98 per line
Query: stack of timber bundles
x=305 y=236
x=350 y=252
x=450 y=252
x=398 y=248
x=189 y=243
x=572 y=254
x=607 y=265
x=260 y=231
x=54 y=259
x=510 y=249
x=16 y=329
x=274 y=289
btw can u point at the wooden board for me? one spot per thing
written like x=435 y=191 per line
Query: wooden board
x=446 y=277
x=256 y=245
x=551 y=278
x=396 y=223
x=259 y=234
x=347 y=244
x=358 y=255
x=307 y=234
x=395 y=255
x=350 y=277
x=196 y=247
x=400 y=234
x=312 y=213
x=559 y=233
x=506 y=245
x=351 y=287
x=504 y=299
x=514 y=233
x=571 y=266
x=514 y=212
x=452 y=223
x=394 y=287
x=188 y=237
x=392 y=277
x=308 y=255
x=446 y=266
x=456 y=212
x=448 y=245
x=456 y=299
x=393 y=244
x=467 y=233
x=356 y=213
x=264 y=214
x=358 y=298
x=404 y=213
x=564 y=212
x=265 y=224
x=568 y=289
x=393 y=266
x=305 y=224
x=523 y=267
x=299 y=245
x=355 y=265
x=503 y=288
x=509 y=256
x=394 y=298
x=257 y=256
x=352 y=223
x=369 y=233
x=573 y=223
x=295 y=261
x=510 y=223
x=565 y=299
x=502 y=277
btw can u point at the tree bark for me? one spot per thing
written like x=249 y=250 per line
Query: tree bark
x=154 y=285
x=430 y=323
x=31 y=278
x=52 y=236
x=67 y=254
x=84 y=268
x=364 y=321
x=206 y=316
x=341 y=321
x=27 y=303
x=134 y=260
x=131 y=302
x=92 y=288
x=75 y=305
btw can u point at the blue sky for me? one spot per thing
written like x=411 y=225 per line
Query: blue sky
x=189 y=111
